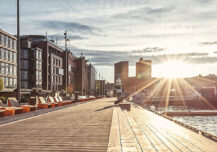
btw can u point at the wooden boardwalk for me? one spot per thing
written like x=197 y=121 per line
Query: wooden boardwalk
x=100 y=126
x=140 y=130
x=85 y=127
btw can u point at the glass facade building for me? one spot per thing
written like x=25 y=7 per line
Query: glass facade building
x=31 y=65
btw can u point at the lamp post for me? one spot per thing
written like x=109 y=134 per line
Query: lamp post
x=18 y=51
x=99 y=84
x=66 y=62
x=102 y=86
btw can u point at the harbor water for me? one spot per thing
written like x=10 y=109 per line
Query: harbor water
x=203 y=123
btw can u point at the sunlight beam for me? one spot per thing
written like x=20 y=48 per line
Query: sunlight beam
x=195 y=91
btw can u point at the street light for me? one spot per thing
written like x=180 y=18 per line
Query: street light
x=66 y=62
x=18 y=51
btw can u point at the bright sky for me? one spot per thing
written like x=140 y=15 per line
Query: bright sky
x=172 y=33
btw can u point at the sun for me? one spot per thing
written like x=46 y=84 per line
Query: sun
x=174 y=69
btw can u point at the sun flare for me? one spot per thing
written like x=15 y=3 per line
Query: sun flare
x=174 y=69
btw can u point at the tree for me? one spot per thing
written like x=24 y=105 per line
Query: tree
x=1 y=84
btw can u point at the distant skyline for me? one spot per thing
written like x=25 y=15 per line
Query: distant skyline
x=110 y=31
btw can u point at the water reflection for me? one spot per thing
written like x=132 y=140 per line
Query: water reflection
x=204 y=123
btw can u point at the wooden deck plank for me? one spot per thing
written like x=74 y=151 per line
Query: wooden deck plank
x=114 y=139
x=128 y=139
x=84 y=127
x=96 y=127
x=184 y=139
x=145 y=143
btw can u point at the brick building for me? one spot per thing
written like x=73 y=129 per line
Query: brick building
x=52 y=65
x=121 y=71
x=143 y=69
x=69 y=72
x=8 y=62
x=81 y=77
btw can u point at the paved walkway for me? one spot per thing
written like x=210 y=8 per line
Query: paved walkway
x=84 y=127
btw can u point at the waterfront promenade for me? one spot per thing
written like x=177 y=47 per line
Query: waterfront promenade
x=100 y=126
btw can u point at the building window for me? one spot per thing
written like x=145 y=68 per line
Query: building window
x=15 y=59
x=9 y=69
x=1 y=53
x=38 y=54
x=9 y=43
x=57 y=79
x=5 y=82
x=15 y=46
x=24 y=74
x=53 y=61
x=24 y=64
x=12 y=41
x=6 y=41
x=15 y=70
x=9 y=82
x=3 y=68
x=2 y=39
x=24 y=53
x=39 y=75
x=13 y=83
x=6 y=68
x=9 y=56
x=24 y=84
x=12 y=69
x=12 y=56
x=5 y=54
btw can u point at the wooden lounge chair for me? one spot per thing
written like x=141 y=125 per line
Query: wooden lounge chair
x=51 y=100
x=41 y=100
x=2 y=112
x=35 y=102
x=56 y=99
x=26 y=108
x=10 y=111
x=66 y=101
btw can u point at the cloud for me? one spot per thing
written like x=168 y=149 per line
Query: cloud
x=70 y=26
x=208 y=43
x=108 y=58
x=146 y=13
x=70 y=36
x=149 y=50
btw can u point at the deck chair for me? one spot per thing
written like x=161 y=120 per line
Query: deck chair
x=26 y=108
x=39 y=105
x=58 y=101
x=10 y=111
x=51 y=100
x=66 y=101
x=41 y=100
x=2 y=112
